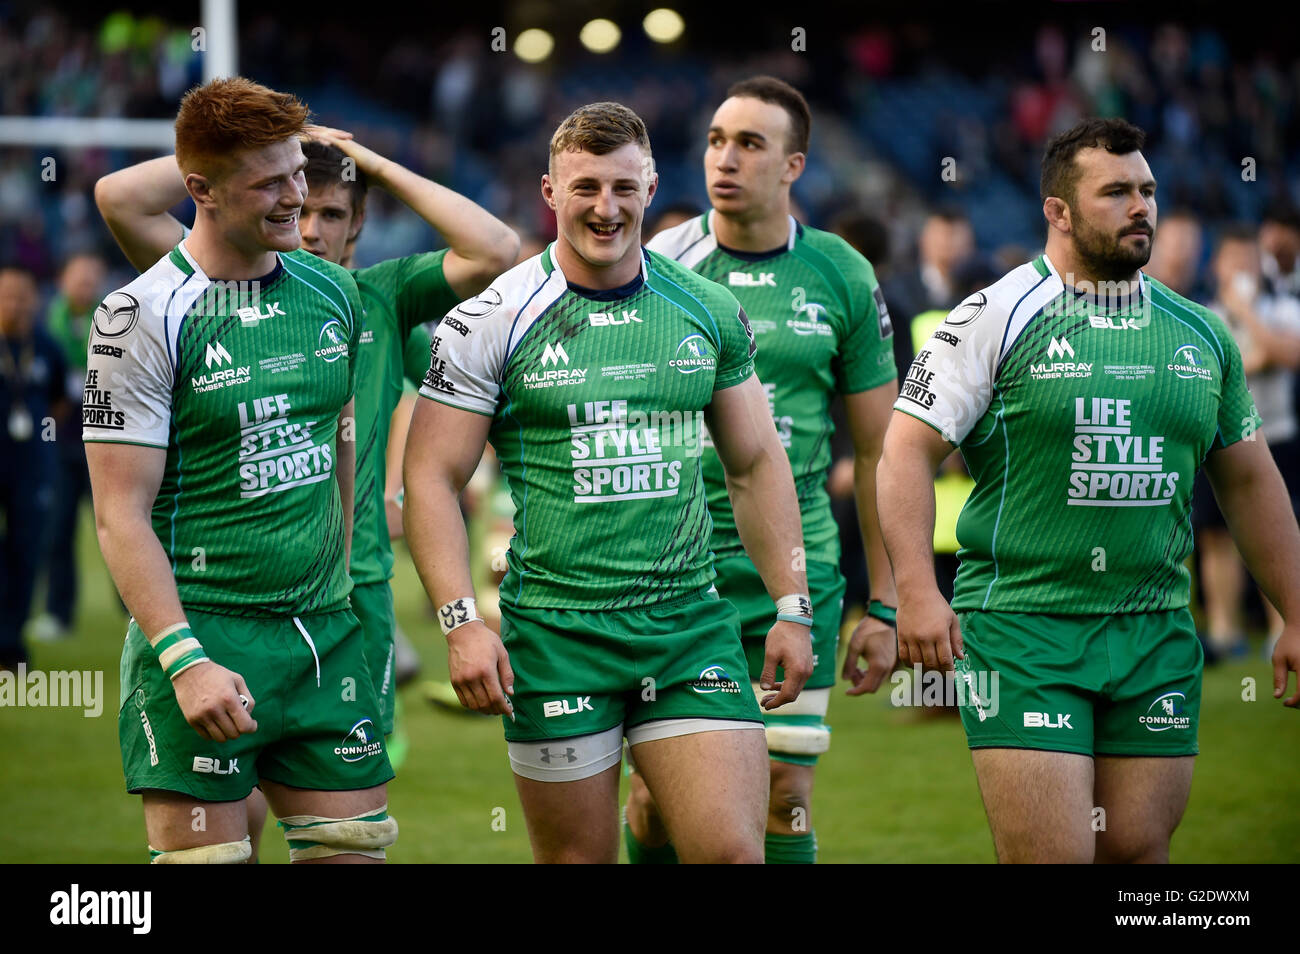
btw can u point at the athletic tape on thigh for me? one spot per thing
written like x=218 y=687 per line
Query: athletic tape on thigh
x=566 y=760
x=227 y=853
x=314 y=836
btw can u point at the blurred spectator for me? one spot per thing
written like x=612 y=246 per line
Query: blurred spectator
x=1279 y=241
x=1267 y=329
x=81 y=285
x=1176 y=254
x=31 y=391
x=946 y=241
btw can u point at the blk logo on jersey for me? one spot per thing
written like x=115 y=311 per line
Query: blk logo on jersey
x=249 y=316
x=602 y=319
x=746 y=280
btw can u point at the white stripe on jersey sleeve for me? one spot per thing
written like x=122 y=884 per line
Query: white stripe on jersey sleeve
x=131 y=364
x=471 y=346
x=687 y=243
x=950 y=384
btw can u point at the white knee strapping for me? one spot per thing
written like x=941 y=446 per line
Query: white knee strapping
x=227 y=853
x=358 y=835
x=800 y=736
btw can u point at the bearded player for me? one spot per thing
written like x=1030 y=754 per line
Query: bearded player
x=1084 y=396
x=593 y=367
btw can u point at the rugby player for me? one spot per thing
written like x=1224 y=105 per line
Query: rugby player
x=1083 y=395
x=399 y=296
x=593 y=367
x=822 y=329
x=218 y=383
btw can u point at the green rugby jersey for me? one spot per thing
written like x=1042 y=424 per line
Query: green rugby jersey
x=1083 y=422
x=398 y=295
x=822 y=328
x=597 y=402
x=242 y=383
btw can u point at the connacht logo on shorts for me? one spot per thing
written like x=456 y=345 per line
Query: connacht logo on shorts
x=333 y=341
x=1166 y=713
x=713 y=679
x=361 y=742
x=692 y=355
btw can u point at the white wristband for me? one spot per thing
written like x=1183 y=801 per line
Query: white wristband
x=457 y=613
x=796 y=604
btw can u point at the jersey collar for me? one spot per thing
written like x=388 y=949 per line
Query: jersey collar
x=795 y=231
x=551 y=264
x=187 y=263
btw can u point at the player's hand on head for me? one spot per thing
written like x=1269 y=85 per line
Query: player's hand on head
x=929 y=633
x=875 y=641
x=789 y=646
x=212 y=699
x=326 y=133
x=368 y=161
x=480 y=671
x=1286 y=660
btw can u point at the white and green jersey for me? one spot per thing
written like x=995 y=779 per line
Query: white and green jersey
x=597 y=402
x=1083 y=422
x=242 y=384
x=822 y=329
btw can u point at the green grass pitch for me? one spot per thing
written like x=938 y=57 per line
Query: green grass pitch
x=896 y=786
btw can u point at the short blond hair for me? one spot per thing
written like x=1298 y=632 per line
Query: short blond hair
x=599 y=128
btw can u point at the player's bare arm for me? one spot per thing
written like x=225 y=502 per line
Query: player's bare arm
x=480 y=246
x=762 y=494
x=868 y=414
x=928 y=631
x=442 y=449
x=125 y=480
x=1253 y=498
x=134 y=203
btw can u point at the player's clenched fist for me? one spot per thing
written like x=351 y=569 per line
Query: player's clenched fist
x=480 y=669
x=928 y=632
x=212 y=700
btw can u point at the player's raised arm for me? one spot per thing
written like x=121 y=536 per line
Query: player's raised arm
x=1253 y=498
x=442 y=449
x=767 y=516
x=868 y=414
x=480 y=246
x=928 y=631
x=134 y=203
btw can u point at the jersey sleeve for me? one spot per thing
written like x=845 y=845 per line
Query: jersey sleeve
x=129 y=376
x=1238 y=417
x=736 y=347
x=950 y=383
x=421 y=292
x=468 y=353
x=415 y=354
x=866 y=355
